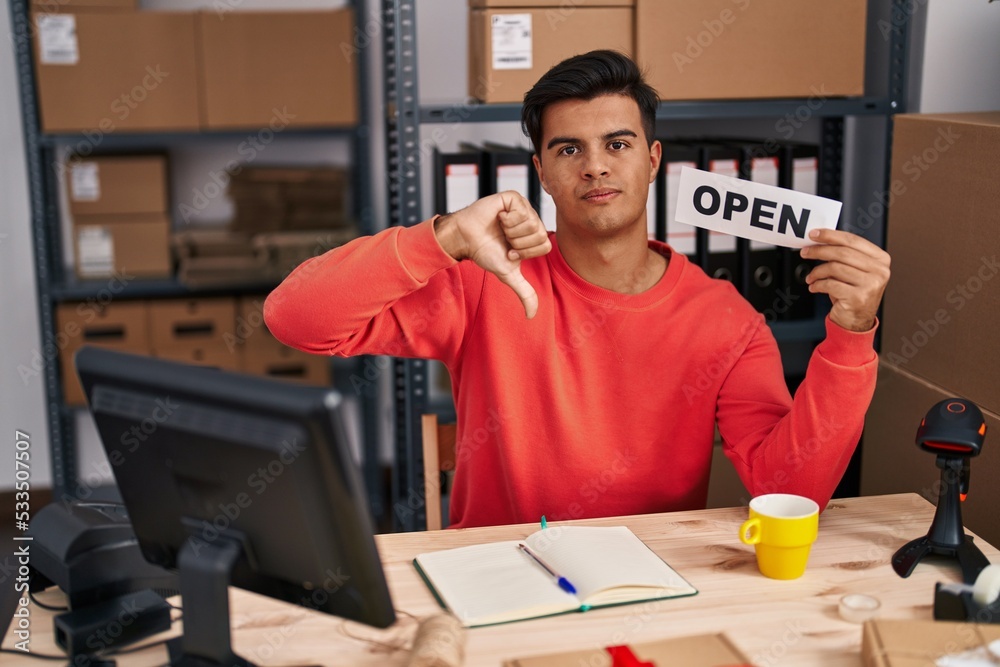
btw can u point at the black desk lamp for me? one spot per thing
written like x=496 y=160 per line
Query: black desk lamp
x=953 y=429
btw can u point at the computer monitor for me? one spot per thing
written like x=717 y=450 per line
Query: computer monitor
x=236 y=479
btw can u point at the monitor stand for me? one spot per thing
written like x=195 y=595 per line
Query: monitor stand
x=205 y=571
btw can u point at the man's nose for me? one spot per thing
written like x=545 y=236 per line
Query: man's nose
x=595 y=167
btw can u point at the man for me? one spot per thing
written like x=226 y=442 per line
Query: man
x=603 y=400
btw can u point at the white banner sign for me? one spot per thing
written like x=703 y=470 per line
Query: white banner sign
x=752 y=210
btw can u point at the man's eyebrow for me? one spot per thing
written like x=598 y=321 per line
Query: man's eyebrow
x=562 y=140
x=620 y=133
x=555 y=141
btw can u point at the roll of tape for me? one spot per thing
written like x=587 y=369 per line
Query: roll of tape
x=986 y=590
x=858 y=608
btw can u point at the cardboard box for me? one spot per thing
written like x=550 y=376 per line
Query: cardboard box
x=554 y=6
x=271 y=70
x=251 y=331
x=721 y=49
x=530 y=40
x=942 y=306
x=892 y=463
x=109 y=72
x=118 y=185
x=263 y=354
x=119 y=325
x=909 y=643
x=694 y=651
x=208 y=354
x=134 y=246
x=285 y=363
x=72 y=5
x=191 y=323
x=223 y=271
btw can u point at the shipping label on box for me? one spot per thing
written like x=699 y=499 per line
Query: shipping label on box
x=85 y=182
x=95 y=252
x=511 y=39
x=57 y=43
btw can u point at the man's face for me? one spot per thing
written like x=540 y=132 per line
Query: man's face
x=596 y=164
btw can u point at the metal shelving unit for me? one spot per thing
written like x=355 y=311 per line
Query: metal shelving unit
x=404 y=116
x=56 y=286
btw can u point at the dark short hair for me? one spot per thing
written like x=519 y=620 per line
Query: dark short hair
x=585 y=77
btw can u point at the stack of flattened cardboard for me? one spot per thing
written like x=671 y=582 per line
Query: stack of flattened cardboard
x=217 y=257
x=276 y=199
x=283 y=251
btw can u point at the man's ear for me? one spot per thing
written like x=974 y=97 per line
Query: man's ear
x=541 y=172
x=655 y=155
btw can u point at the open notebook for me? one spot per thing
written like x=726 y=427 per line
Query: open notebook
x=493 y=583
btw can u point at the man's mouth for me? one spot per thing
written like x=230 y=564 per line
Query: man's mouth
x=599 y=195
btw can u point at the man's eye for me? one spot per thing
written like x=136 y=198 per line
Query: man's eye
x=570 y=150
x=617 y=145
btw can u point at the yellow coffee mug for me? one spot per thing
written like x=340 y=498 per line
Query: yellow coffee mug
x=782 y=528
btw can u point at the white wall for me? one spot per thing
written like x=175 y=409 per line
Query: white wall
x=22 y=404
x=961 y=57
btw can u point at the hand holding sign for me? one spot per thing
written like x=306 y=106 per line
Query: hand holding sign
x=855 y=271
x=854 y=274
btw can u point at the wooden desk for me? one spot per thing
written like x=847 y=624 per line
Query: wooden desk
x=773 y=622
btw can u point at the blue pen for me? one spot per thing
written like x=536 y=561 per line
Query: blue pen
x=562 y=581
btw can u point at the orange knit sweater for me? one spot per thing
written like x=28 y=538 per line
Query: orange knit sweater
x=605 y=403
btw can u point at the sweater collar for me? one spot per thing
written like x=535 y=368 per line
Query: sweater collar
x=661 y=290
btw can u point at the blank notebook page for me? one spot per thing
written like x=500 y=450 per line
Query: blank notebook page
x=595 y=559
x=488 y=580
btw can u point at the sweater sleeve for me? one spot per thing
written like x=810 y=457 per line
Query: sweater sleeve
x=800 y=446
x=395 y=293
